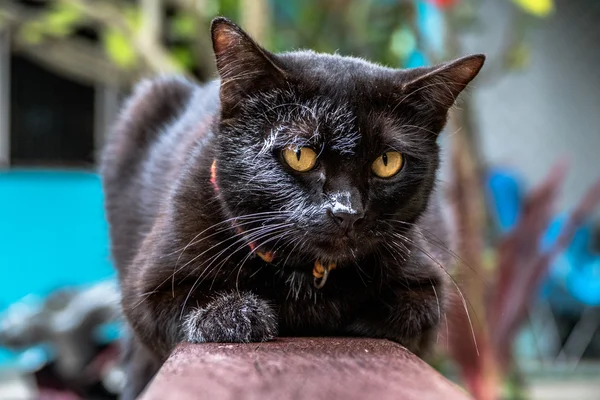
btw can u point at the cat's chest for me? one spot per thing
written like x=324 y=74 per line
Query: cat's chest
x=303 y=308
x=313 y=318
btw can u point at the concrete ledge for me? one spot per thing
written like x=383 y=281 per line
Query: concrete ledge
x=299 y=368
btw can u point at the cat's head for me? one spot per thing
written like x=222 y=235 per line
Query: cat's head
x=321 y=156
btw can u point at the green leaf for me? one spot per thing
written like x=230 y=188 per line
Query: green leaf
x=61 y=19
x=229 y=9
x=184 y=26
x=119 y=48
x=32 y=32
x=183 y=57
x=133 y=16
x=403 y=42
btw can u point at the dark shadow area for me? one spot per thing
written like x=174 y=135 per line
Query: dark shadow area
x=52 y=120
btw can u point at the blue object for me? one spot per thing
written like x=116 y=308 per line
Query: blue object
x=416 y=59
x=505 y=197
x=574 y=278
x=430 y=22
x=577 y=268
x=53 y=233
x=585 y=283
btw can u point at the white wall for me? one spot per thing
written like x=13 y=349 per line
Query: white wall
x=552 y=110
x=4 y=99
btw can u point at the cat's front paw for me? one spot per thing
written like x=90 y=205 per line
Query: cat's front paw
x=232 y=317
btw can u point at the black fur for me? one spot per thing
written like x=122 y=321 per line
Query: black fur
x=182 y=246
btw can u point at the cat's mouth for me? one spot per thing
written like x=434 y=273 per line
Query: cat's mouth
x=339 y=248
x=333 y=248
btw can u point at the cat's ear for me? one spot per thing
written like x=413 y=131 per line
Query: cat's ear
x=244 y=66
x=440 y=85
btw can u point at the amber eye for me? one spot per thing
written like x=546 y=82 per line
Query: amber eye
x=300 y=158
x=388 y=164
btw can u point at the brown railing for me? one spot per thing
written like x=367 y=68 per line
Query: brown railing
x=306 y=368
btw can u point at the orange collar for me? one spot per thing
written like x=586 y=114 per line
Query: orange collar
x=320 y=271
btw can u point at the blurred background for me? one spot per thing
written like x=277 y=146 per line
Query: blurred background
x=521 y=170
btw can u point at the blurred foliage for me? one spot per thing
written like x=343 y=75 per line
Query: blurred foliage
x=381 y=30
x=377 y=30
x=135 y=38
x=118 y=48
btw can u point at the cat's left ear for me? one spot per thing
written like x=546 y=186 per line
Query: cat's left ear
x=440 y=85
x=244 y=66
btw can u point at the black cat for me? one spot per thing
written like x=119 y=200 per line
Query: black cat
x=294 y=196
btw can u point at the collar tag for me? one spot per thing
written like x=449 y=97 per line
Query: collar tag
x=267 y=256
x=321 y=272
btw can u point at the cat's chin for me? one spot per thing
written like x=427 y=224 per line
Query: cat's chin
x=340 y=249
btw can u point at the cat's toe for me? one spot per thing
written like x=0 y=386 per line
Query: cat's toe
x=237 y=318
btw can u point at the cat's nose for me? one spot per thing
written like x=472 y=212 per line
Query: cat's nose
x=346 y=220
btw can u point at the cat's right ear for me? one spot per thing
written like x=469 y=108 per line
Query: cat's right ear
x=244 y=66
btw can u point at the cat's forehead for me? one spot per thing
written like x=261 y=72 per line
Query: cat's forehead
x=332 y=66
x=313 y=121
x=346 y=81
x=332 y=74
x=334 y=124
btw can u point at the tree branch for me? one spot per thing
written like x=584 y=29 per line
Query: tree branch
x=149 y=49
x=72 y=57
x=78 y=60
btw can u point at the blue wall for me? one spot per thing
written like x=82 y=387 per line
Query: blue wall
x=52 y=232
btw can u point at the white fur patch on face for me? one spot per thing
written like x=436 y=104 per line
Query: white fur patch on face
x=303 y=121
x=341 y=202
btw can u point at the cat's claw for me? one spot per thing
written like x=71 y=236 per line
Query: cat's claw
x=232 y=318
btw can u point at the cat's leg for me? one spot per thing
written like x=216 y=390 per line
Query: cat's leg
x=139 y=367
x=166 y=304
x=162 y=320
x=409 y=316
x=231 y=317
x=159 y=325
x=414 y=321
